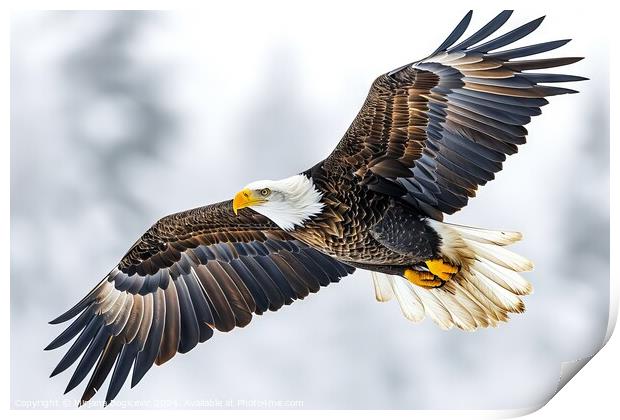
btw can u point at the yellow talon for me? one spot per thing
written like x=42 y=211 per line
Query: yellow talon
x=422 y=279
x=441 y=269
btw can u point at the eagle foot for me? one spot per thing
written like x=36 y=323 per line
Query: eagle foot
x=442 y=269
x=423 y=279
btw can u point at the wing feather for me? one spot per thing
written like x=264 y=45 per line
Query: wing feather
x=191 y=273
x=432 y=131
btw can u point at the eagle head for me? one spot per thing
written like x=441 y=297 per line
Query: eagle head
x=288 y=202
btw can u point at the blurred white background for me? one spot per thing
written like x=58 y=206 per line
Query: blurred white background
x=119 y=118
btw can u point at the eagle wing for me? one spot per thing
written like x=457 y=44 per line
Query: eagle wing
x=434 y=130
x=191 y=273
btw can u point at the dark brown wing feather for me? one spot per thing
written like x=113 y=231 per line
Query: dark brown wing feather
x=192 y=272
x=433 y=131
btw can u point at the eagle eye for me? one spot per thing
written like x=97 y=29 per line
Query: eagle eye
x=265 y=192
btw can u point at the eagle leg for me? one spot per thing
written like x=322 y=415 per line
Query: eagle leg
x=442 y=269
x=423 y=278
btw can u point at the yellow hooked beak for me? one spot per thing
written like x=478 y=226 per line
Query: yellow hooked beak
x=246 y=198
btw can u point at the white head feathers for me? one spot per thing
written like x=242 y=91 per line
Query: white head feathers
x=291 y=202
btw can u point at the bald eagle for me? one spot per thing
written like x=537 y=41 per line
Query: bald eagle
x=429 y=133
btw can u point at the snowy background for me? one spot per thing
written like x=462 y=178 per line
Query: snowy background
x=119 y=118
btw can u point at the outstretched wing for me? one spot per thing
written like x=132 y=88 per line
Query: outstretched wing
x=190 y=273
x=434 y=130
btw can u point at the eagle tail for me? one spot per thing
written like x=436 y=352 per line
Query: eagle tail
x=482 y=293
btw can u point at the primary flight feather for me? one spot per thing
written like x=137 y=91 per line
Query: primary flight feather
x=428 y=134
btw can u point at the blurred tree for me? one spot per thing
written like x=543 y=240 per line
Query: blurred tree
x=585 y=222
x=115 y=111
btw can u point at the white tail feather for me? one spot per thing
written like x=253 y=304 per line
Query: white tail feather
x=409 y=301
x=383 y=288
x=459 y=314
x=496 y=237
x=500 y=256
x=484 y=291
x=433 y=307
x=508 y=279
